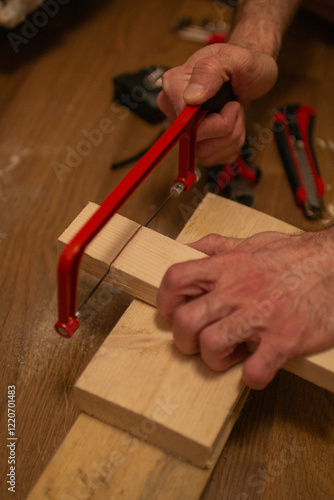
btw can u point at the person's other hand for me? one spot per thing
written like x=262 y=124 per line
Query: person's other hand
x=271 y=289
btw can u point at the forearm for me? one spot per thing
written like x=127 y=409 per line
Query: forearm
x=260 y=24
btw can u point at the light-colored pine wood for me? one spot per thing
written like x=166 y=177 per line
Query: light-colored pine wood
x=91 y=43
x=138 y=371
x=99 y=461
x=141 y=265
x=137 y=367
x=83 y=464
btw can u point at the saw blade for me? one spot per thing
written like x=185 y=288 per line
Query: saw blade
x=174 y=192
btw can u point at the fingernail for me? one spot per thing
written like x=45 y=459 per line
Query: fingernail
x=193 y=91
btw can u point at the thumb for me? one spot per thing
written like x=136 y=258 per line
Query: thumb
x=205 y=81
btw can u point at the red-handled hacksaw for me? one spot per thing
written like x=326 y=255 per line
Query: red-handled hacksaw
x=182 y=131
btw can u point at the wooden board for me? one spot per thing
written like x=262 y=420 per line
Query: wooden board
x=97 y=461
x=138 y=370
x=140 y=382
x=149 y=349
x=140 y=266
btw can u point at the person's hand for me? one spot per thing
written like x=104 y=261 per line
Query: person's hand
x=271 y=289
x=252 y=74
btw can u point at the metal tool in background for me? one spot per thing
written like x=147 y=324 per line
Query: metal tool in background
x=236 y=180
x=139 y=91
x=206 y=31
x=182 y=131
x=293 y=128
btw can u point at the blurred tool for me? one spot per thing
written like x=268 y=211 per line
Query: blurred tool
x=293 y=128
x=236 y=180
x=139 y=91
x=206 y=32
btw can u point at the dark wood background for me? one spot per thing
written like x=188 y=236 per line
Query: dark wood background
x=55 y=84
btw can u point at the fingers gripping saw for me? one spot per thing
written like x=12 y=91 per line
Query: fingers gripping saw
x=182 y=131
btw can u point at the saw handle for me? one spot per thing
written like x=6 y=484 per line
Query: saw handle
x=218 y=101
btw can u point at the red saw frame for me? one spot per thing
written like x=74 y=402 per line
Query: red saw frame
x=183 y=130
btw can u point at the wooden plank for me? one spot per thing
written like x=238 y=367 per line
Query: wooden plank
x=317 y=368
x=142 y=372
x=140 y=266
x=101 y=462
x=98 y=461
x=138 y=367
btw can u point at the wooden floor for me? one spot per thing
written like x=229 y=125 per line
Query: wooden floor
x=55 y=89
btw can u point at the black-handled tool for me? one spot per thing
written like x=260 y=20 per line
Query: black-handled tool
x=218 y=101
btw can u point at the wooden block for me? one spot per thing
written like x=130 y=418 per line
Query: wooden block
x=99 y=461
x=137 y=371
x=140 y=382
x=140 y=267
x=317 y=368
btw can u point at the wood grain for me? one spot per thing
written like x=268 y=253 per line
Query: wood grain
x=102 y=462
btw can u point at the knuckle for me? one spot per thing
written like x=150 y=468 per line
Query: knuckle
x=172 y=277
x=207 y=65
x=213 y=239
x=183 y=321
x=255 y=379
x=213 y=350
x=168 y=78
x=186 y=347
x=161 y=303
x=210 y=341
x=228 y=128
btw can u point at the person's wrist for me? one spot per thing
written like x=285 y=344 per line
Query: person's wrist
x=267 y=43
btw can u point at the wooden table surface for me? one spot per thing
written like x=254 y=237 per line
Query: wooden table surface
x=55 y=90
